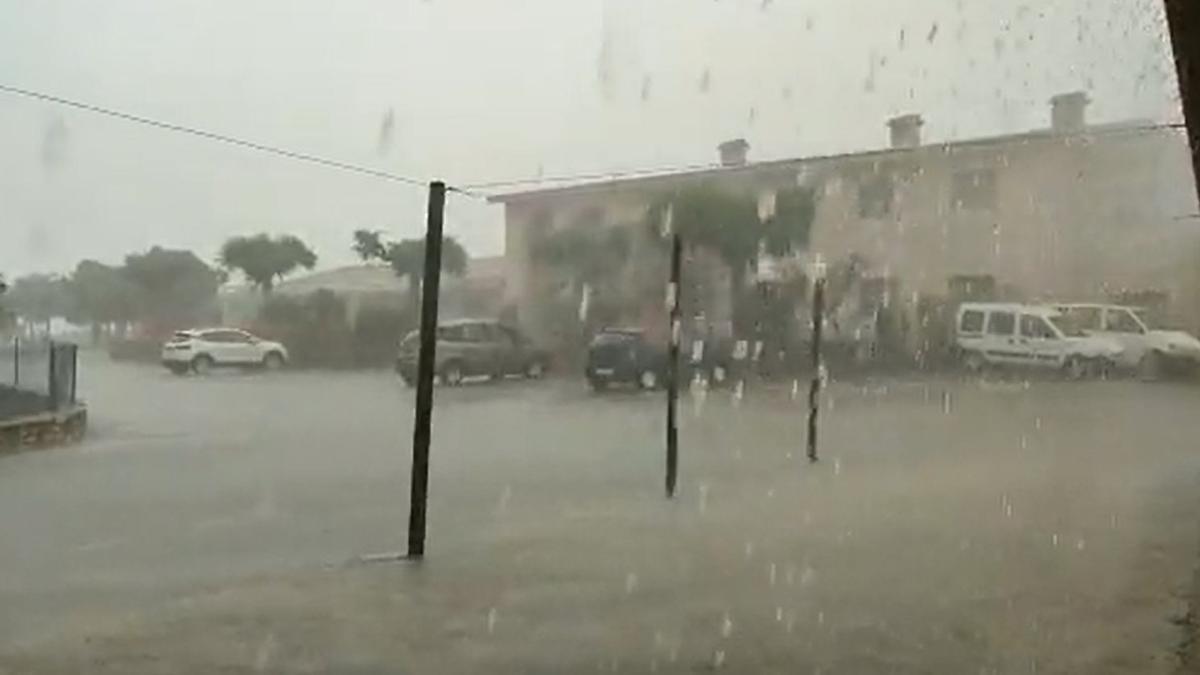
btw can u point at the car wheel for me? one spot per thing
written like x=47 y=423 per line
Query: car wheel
x=535 y=370
x=974 y=362
x=452 y=374
x=273 y=361
x=1076 y=368
x=648 y=379
x=202 y=365
x=1150 y=367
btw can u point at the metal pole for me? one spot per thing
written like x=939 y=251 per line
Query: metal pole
x=673 y=296
x=814 y=389
x=1183 y=19
x=16 y=363
x=419 y=491
x=52 y=385
x=74 y=372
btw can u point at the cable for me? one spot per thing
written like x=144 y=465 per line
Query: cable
x=179 y=128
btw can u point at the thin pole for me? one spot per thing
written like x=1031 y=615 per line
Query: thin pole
x=814 y=389
x=52 y=385
x=16 y=363
x=419 y=491
x=673 y=296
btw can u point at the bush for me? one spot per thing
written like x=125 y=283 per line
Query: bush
x=377 y=334
x=313 y=328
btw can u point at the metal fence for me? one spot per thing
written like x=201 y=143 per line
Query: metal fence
x=42 y=368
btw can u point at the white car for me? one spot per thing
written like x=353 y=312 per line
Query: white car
x=1029 y=336
x=201 y=350
x=1151 y=352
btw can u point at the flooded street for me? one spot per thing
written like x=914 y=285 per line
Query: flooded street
x=950 y=526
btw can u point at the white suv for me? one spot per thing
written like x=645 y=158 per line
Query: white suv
x=1149 y=351
x=1029 y=336
x=201 y=350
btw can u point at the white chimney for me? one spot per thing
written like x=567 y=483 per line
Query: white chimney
x=1068 y=112
x=906 y=131
x=733 y=153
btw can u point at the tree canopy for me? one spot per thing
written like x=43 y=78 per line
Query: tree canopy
x=172 y=284
x=38 y=298
x=103 y=294
x=407 y=257
x=263 y=260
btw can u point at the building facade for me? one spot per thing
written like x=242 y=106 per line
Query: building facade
x=1072 y=211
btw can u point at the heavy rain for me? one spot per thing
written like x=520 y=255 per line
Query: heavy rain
x=451 y=336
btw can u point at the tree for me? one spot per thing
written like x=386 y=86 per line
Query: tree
x=102 y=294
x=264 y=260
x=592 y=256
x=171 y=285
x=39 y=298
x=407 y=258
x=729 y=226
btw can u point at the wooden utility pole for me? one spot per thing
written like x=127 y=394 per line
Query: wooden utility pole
x=419 y=492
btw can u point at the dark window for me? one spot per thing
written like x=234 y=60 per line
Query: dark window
x=972 y=322
x=875 y=194
x=225 y=336
x=1036 y=327
x=1121 y=321
x=1086 y=318
x=974 y=190
x=451 y=333
x=1001 y=323
x=476 y=332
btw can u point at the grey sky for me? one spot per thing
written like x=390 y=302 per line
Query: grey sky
x=485 y=90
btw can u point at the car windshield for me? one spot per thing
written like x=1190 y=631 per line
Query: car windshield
x=1068 y=325
x=743 y=348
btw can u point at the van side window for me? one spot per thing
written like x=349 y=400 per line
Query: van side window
x=1121 y=321
x=972 y=322
x=1001 y=323
x=1035 y=327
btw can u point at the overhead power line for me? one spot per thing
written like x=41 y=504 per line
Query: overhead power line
x=221 y=138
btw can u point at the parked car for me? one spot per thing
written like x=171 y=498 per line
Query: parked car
x=1029 y=336
x=472 y=348
x=625 y=356
x=1148 y=351
x=202 y=349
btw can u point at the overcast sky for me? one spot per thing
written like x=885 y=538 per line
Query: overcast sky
x=483 y=90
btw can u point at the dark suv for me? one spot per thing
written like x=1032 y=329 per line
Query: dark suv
x=474 y=347
x=625 y=356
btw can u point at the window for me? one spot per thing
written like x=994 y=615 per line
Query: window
x=972 y=322
x=226 y=337
x=1122 y=321
x=475 y=332
x=1001 y=323
x=974 y=190
x=451 y=333
x=1085 y=318
x=1035 y=327
x=875 y=196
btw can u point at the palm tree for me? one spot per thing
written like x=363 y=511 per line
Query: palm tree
x=407 y=258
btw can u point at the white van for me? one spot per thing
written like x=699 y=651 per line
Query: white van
x=1029 y=336
x=1149 y=351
